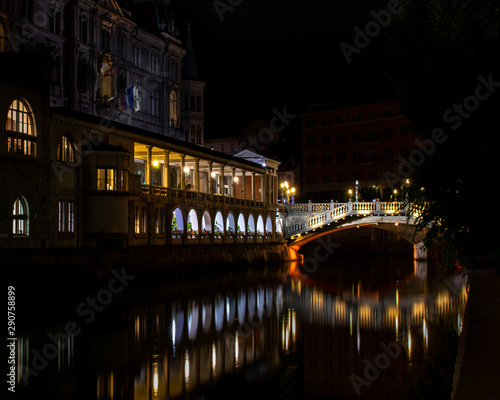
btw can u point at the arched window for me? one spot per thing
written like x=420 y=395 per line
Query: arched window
x=66 y=150
x=198 y=134
x=107 y=79
x=56 y=72
x=193 y=105
x=198 y=104
x=20 y=217
x=193 y=133
x=174 y=107
x=21 y=129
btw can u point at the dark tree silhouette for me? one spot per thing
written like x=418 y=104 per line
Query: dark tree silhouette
x=443 y=59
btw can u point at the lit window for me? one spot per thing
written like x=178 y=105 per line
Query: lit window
x=62 y=216
x=71 y=216
x=66 y=216
x=106 y=179
x=21 y=129
x=137 y=220
x=159 y=221
x=66 y=150
x=140 y=220
x=20 y=217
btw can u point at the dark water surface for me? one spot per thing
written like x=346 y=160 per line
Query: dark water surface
x=379 y=328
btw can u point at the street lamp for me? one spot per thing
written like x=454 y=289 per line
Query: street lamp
x=292 y=190
x=357 y=183
x=284 y=189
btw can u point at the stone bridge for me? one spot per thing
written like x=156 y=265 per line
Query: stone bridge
x=309 y=221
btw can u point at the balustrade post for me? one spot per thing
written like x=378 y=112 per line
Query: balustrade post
x=349 y=207
x=309 y=206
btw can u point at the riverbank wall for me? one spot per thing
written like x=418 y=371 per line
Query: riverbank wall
x=180 y=260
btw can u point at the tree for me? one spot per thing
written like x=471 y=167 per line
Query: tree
x=443 y=59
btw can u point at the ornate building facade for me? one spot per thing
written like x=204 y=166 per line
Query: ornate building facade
x=101 y=137
x=108 y=59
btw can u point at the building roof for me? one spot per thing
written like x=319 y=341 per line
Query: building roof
x=148 y=137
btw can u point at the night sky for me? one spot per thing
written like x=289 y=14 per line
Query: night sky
x=267 y=54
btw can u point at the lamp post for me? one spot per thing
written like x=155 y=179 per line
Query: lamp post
x=357 y=183
x=284 y=190
x=292 y=191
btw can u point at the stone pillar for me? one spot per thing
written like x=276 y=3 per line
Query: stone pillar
x=165 y=168
x=210 y=179
x=221 y=185
x=148 y=164
x=244 y=183
x=419 y=253
x=197 y=174
x=183 y=174
x=233 y=186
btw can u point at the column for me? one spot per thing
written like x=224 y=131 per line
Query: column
x=233 y=186
x=253 y=185
x=148 y=165
x=165 y=168
x=210 y=179
x=183 y=174
x=197 y=174
x=221 y=186
x=244 y=183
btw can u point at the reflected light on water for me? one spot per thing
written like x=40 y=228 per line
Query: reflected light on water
x=155 y=379
x=186 y=367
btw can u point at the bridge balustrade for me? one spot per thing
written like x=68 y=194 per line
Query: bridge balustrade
x=330 y=212
x=320 y=207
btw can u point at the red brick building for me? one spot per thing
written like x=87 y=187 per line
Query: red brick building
x=343 y=145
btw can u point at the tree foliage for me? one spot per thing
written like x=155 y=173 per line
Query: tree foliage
x=437 y=53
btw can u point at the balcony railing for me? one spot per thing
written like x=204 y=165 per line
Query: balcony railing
x=150 y=190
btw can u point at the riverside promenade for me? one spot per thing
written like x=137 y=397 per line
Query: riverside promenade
x=478 y=366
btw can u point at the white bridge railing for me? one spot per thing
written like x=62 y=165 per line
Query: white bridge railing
x=316 y=215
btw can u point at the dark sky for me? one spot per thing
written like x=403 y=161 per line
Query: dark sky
x=268 y=54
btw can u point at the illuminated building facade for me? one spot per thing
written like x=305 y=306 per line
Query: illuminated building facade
x=99 y=157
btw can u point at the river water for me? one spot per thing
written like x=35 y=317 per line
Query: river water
x=367 y=328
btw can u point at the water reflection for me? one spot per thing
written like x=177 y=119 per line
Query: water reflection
x=361 y=332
